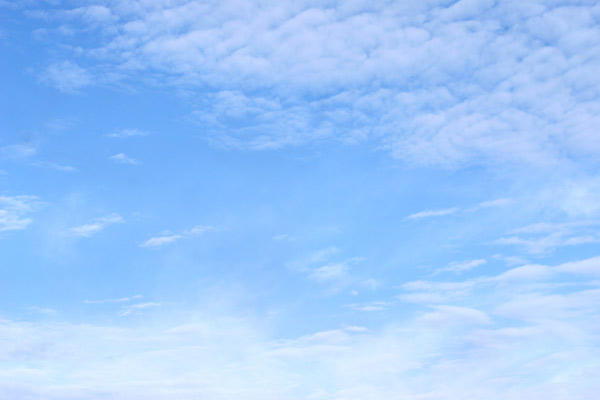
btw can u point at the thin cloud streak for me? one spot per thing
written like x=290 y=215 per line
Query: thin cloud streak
x=99 y=224
x=160 y=241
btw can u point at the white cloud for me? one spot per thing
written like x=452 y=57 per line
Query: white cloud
x=55 y=166
x=332 y=272
x=530 y=272
x=425 y=81
x=126 y=133
x=432 y=213
x=14 y=211
x=370 y=306
x=456 y=210
x=96 y=226
x=169 y=237
x=198 y=230
x=587 y=267
x=114 y=300
x=42 y=310
x=160 y=240
x=123 y=159
x=67 y=76
x=496 y=203
x=544 y=237
x=453 y=315
x=19 y=150
x=328 y=272
x=130 y=309
x=445 y=351
x=507 y=336
x=282 y=237
x=459 y=267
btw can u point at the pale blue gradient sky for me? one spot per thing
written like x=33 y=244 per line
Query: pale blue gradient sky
x=299 y=200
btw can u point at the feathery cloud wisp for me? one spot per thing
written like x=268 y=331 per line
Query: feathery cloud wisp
x=96 y=226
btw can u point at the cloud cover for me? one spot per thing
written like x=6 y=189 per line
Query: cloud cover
x=437 y=83
x=525 y=337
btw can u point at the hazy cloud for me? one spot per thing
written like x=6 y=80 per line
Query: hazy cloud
x=67 y=76
x=96 y=226
x=14 y=211
x=123 y=159
x=433 y=213
x=126 y=133
x=167 y=238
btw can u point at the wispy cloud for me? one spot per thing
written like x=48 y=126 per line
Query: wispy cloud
x=328 y=272
x=458 y=210
x=544 y=237
x=126 y=133
x=370 y=306
x=519 y=325
x=495 y=203
x=128 y=310
x=19 y=150
x=121 y=158
x=433 y=213
x=332 y=272
x=282 y=237
x=67 y=76
x=14 y=211
x=459 y=267
x=159 y=241
x=114 y=300
x=55 y=166
x=96 y=226
x=42 y=310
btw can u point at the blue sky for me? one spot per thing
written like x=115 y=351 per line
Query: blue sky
x=299 y=200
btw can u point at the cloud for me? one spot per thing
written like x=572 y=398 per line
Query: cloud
x=96 y=226
x=453 y=315
x=544 y=237
x=434 y=84
x=114 y=300
x=444 y=351
x=333 y=272
x=198 y=230
x=370 y=306
x=328 y=272
x=160 y=241
x=282 y=237
x=55 y=166
x=587 y=267
x=456 y=210
x=123 y=159
x=459 y=267
x=126 y=133
x=529 y=272
x=19 y=150
x=507 y=336
x=130 y=309
x=529 y=276
x=495 y=203
x=42 y=310
x=432 y=213
x=14 y=211
x=67 y=77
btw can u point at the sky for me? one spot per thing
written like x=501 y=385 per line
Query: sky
x=324 y=200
